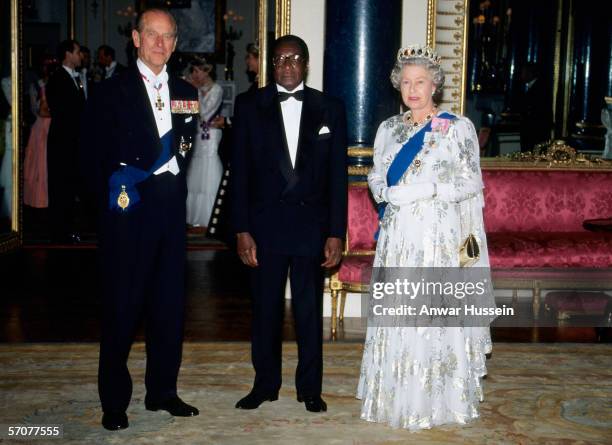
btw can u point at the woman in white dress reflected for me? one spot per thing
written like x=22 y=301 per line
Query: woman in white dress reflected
x=205 y=168
x=420 y=377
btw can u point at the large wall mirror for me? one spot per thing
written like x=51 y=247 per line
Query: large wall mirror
x=526 y=72
x=9 y=127
x=219 y=30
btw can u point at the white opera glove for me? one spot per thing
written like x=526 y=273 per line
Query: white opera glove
x=405 y=194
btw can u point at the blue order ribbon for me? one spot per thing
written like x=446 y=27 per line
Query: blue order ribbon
x=402 y=161
x=128 y=176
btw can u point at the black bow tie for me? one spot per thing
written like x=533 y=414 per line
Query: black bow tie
x=298 y=95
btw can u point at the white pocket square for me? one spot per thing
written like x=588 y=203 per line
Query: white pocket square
x=324 y=130
x=189 y=119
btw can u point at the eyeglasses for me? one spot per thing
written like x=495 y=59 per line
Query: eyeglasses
x=291 y=59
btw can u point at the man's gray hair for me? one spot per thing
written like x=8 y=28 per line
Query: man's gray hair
x=140 y=19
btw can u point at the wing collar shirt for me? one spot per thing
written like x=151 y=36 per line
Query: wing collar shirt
x=163 y=117
x=109 y=70
x=73 y=75
x=292 y=112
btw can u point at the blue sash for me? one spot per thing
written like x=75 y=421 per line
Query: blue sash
x=402 y=161
x=128 y=176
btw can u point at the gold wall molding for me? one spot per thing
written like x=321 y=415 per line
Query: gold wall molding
x=354 y=170
x=556 y=155
x=553 y=155
x=12 y=239
x=283 y=18
x=447 y=27
x=282 y=26
x=360 y=151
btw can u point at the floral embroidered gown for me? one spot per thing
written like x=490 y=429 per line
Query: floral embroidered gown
x=417 y=378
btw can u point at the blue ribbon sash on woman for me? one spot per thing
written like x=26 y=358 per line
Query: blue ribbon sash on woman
x=126 y=178
x=403 y=159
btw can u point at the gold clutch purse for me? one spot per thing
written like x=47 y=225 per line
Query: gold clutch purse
x=469 y=252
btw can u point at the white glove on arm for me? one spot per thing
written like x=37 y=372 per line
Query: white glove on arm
x=405 y=194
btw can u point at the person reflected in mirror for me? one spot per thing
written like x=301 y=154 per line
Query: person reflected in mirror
x=219 y=225
x=66 y=99
x=205 y=168
x=252 y=65
x=85 y=71
x=35 y=192
x=106 y=61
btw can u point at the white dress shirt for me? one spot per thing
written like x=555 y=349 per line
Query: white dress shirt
x=163 y=117
x=109 y=70
x=73 y=75
x=83 y=76
x=292 y=112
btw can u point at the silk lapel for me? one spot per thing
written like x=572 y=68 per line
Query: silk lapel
x=310 y=119
x=135 y=92
x=272 y=120
x=73 y=89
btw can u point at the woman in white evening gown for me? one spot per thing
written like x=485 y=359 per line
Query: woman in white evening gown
x=413 y=377
x=205 y=168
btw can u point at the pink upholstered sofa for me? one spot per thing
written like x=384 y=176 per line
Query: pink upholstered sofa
x=534 y=224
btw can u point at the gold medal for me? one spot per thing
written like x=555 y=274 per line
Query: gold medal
x=159 y=104
x=184 y=146
x=123 y=201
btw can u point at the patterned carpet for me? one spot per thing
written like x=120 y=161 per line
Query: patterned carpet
x=534 y=394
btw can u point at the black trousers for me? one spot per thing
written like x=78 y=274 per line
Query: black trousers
x=268 y=297
x=64 y=186
x=143 y=271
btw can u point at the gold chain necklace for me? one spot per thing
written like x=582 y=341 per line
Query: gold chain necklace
x=413 y=123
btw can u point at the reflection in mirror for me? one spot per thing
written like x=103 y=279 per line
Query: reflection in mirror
x=537 y=71
x=108 y=24
x=6 y=135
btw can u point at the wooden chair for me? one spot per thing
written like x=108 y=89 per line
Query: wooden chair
x=354 y=272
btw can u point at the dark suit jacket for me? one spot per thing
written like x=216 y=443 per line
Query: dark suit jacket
x=287 y=210
x=119 y=127
x=118 y=69
x=66 y=104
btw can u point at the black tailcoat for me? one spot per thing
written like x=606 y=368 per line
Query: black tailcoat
x=142 y=249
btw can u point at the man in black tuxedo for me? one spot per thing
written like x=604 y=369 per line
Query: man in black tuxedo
x=66 y=100
x=141 y=125
x=106 y=60
x=289 y=198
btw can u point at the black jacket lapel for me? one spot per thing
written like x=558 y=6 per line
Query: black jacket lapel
x=135 y=92
x=273 y=117
x=310 y=120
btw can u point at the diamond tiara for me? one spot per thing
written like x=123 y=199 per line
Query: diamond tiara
x=418 y=51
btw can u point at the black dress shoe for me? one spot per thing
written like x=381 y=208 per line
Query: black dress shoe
x=313 y=404
x=253 y=399
x=174 y=405
x=114 y=421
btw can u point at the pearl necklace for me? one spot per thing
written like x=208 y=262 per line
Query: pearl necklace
x=413 y=123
